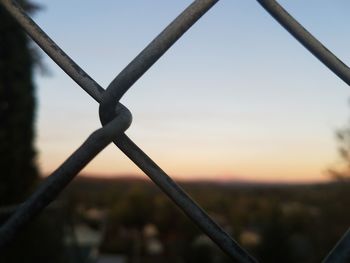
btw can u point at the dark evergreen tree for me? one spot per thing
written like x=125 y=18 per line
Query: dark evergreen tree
x=41 y=240
x=18 y=171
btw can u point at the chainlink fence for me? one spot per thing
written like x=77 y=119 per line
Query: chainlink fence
x=116 y=118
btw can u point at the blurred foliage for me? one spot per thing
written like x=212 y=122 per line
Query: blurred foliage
x=276 y=223
x=342 y=173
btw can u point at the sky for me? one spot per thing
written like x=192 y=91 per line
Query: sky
x=236 y=98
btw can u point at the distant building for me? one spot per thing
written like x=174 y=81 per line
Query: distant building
x=249 y=238
x=82 y=240
x=153 y=246
x=111 y=259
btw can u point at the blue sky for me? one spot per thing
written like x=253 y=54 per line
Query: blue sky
x=235 y=98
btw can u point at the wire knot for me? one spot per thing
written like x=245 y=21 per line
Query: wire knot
x=111 y=113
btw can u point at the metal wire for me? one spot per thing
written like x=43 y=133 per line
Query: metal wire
x=175 y=192
x=138 y=66
x=167 y=37
x=306 y=39
x=53 y=50
x=60 y=178
x=341 y=252
x=115 y=119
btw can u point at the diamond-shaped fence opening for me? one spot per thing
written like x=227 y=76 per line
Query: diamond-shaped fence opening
x=116 y=118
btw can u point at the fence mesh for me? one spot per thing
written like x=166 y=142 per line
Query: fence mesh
x=116 y=118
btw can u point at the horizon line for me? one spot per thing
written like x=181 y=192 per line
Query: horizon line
x=203 y=179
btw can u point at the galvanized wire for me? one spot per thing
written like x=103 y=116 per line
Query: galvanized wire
x=166 y=39
x=179 y=196
x=141 y=63
x=306 y=39
x=341 y=252
x=60 y=178
x=116 y=119
x=53 y=50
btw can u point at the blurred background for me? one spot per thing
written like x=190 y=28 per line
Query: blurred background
x=239 y=113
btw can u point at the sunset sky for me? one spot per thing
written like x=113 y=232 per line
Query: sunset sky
x=235 y=98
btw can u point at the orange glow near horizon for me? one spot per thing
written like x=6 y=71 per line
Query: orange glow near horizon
x=225 y=102
x=213 y=165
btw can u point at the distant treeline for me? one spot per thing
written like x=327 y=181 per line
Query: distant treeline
x=276 y=223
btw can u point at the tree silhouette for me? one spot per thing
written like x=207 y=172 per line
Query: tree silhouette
x=342 y=173
x=41 y=240
x=18 y=170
